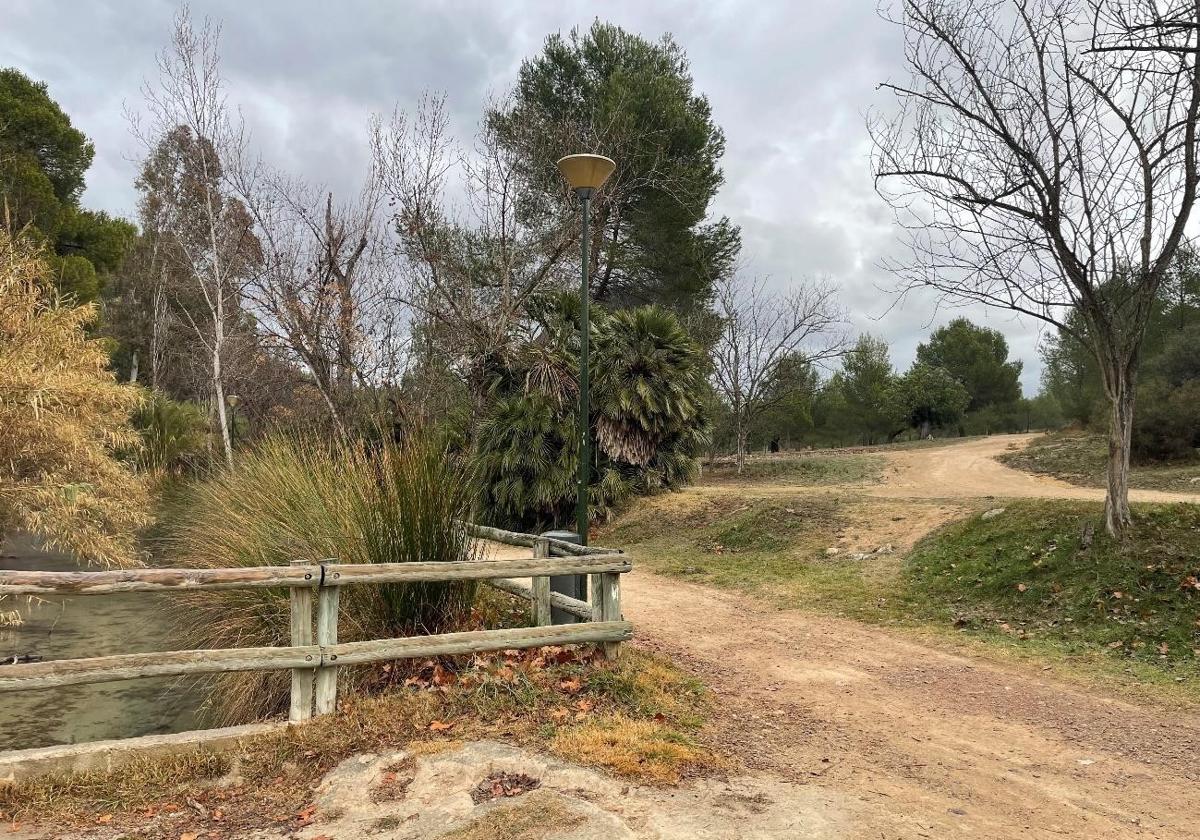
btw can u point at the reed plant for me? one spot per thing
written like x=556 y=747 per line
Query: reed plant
x=301 y=498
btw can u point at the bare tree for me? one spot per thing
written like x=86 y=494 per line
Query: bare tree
x=322 y=293
x=1036 y=170
x=189 y=137
x=470 y=269
x=761 y=328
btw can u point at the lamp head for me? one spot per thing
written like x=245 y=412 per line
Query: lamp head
x=586 y=172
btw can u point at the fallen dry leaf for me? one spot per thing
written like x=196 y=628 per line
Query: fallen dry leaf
x=572 y=685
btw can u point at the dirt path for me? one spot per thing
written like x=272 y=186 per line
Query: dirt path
x=970 y=470
x=931 y=744
x=926 y=742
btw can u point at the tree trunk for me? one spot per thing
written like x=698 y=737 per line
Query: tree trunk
x=742 y=434
x=1120 y=438
x=218 y=375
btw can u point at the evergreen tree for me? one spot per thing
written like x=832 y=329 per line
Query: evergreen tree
x=43 y=158
x=612 y=92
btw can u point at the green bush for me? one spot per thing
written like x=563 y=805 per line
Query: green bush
x=174 y=434
x=1166 y=422
x=300 y=499
x=649 y=416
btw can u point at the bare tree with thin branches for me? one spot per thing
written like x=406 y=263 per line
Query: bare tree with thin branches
x=471 y=268
x=1034 y=169
x=189 y=138
x=322 y=293
x=760 y=328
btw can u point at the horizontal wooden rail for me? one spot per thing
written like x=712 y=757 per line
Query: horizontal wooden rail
x=335 y=574
x=344 y=574
x=577 y=608
x=177 y=663
x=129 y=666
x=559 y=547
x=155 y=580
x=451 y=644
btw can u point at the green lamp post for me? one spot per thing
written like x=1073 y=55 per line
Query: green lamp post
x=585 y=174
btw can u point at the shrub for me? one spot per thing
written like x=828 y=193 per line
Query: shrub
x=174 y=434
x=649 y=416
x=301 y=499
x=1166 y=424
x=62 y=414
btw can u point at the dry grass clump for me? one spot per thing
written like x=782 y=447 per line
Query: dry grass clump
x=304 y=499
x=647 y=749
x=637 y=717
x=533 y=818
x=62 y=414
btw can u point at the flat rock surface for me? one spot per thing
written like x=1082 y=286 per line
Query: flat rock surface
x=395 y=797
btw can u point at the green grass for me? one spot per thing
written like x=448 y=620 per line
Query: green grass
x=1021 y=581
x=1026 y=574
x=773 y=547
x=802 y=470
x=1082 y=458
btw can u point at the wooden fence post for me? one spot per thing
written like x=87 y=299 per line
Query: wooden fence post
x=302 y=634
x=541 y=586
x=327 y=622
x=609 y=604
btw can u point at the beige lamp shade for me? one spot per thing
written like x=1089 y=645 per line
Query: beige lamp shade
x=586 y=171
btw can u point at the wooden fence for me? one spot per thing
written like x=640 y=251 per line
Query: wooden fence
x=314 y=661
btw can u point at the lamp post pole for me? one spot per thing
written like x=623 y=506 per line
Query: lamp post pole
x=585 y=173
x=585 y=428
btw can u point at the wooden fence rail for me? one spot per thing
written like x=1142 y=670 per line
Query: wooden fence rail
x=314 y=660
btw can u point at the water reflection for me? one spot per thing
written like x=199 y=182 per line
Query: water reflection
x=68 y=628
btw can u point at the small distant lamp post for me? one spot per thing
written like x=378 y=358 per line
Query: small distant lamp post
x=232 y=401
x=585 y=174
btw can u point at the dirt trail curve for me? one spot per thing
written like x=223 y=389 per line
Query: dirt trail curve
x=916 y=742
x=970 y=470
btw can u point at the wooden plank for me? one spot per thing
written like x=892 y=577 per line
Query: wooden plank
x=344 y=574
x=476 y=641
x=580 y=609
x=541 y=585
x=301 y=620
x=610 y=607
x=596 y=596
x=155 y=580
x=129 y=666
x=559 y=547
x=325 y=687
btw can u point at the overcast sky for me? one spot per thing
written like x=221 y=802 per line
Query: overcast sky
x=790 y=82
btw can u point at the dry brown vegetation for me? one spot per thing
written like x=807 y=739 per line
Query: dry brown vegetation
x=63 y=414
x=638 y=717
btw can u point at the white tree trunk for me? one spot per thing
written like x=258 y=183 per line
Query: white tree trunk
x=1120 y=439
x=218 y=374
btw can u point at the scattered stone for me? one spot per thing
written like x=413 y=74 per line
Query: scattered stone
x=501 y=785
x=993 y=513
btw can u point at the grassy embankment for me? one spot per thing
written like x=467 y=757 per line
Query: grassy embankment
x=1027 y=580
x=1081 y=458
x=638 y=717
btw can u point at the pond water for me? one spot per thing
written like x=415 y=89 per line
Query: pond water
x=100 y=625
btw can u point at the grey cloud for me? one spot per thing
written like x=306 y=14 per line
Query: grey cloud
x=789 y=82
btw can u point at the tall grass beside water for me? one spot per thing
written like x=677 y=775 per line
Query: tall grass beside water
x=313 y=500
